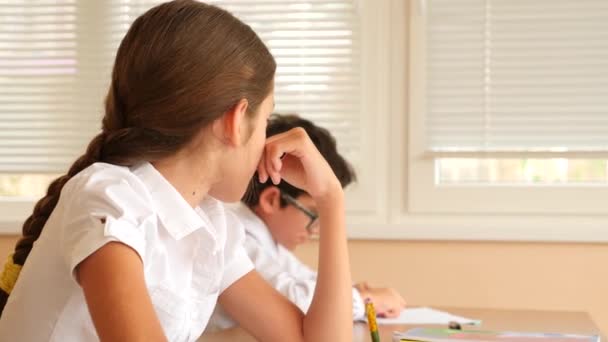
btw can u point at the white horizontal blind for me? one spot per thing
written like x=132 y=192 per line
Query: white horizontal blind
x=43 y=117
x=517 y=75
x=56 y=58
x=316 y=46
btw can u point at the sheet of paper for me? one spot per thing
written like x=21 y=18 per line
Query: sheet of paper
x=426 y=316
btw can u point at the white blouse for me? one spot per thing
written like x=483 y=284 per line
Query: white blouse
x=189 y=255
x=280 y=267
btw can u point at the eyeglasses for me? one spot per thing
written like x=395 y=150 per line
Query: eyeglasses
x=314 y=217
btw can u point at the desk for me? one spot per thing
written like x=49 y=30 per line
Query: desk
x=495 y=319
x=492 y=319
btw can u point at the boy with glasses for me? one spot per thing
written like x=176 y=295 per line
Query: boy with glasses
x=278 y=218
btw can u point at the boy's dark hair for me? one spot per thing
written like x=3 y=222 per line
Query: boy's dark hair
x=325 y=143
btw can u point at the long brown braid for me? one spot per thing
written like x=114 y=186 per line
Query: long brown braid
x=180 y=66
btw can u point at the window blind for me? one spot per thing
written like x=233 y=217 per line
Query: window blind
x=517 y=75
x=41 y=126
x=56 y=59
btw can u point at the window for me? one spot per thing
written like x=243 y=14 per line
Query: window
x=39 y=123
x=509 y=107
x=480 y=190
x=56 y=58
x=465 y=119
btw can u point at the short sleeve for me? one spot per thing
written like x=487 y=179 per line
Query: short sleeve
x=358 y=306
x=101 y=207
x=236 y=260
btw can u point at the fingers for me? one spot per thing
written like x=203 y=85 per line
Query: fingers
x=392 y=313
x=276 y=148
x=391 y=302
x=293 y=142
x=262 y=173
x=293 y=157
x=270 y=165
x=273 y=166
x=289 y=145
x=388 y=311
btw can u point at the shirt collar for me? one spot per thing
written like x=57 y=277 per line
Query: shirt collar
x=178 y=217
x=254 y=226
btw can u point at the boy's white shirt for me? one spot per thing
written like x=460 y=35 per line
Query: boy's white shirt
x=280 y=267
x=189 y=255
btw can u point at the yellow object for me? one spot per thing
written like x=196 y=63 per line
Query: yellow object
x=371 y=320
x=9 y=275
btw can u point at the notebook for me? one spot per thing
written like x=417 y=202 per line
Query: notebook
x=449 y=335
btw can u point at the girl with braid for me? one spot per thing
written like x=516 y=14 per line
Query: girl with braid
x=133 y=242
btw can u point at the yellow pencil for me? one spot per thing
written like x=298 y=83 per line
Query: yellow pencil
x=371 y=320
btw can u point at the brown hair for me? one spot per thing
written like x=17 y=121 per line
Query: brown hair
x=181 y=65
x=325 y=143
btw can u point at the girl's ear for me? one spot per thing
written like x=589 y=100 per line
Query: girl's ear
x=231 y=128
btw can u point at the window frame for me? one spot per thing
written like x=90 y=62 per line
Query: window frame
x=426 y=197
x=538 y=213
x=394 y=197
